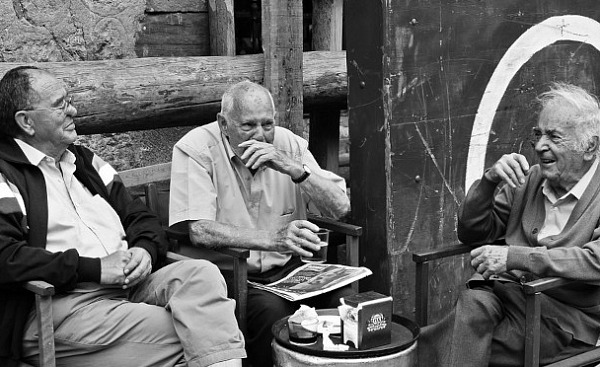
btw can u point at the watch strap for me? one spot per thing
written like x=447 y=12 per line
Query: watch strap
x=303 y=176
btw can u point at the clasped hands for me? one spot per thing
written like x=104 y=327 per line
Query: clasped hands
x=125 y=268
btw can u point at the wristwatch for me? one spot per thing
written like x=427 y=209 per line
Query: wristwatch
x=304 y=175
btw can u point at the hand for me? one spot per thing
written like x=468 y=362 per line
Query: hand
x=489 y=259
x=295 y=237
x=138 y=267
x=510 y=168
x=112 y=267
x=258 y=153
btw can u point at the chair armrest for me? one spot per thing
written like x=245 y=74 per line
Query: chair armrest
x=422 y=260
x=336 y=226
x=446 y=251
x=540 y=285
x=40 y=287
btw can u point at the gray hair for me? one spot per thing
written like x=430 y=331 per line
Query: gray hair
x=586 y=106
x=16 y=93
x=232 y=100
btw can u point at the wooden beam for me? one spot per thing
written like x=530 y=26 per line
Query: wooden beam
x=282 y=45
x=324 y=133
x=327 y=19
x=150 y=93
x=222 y=27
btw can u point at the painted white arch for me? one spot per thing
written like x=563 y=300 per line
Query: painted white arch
x=559 y=28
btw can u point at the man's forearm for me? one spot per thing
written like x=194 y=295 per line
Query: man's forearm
x=213 y=234
x=326 y=195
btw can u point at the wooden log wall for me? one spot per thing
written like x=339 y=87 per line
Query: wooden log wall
x=150 y=93
x=439 y=90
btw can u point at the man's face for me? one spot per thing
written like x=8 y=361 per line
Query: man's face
x=256 y=121
x=561 y=162
x=51 y=115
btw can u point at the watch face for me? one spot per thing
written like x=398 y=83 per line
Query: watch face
x=306 y=169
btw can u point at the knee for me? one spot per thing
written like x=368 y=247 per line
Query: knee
x=477 y=306
x=200 y=271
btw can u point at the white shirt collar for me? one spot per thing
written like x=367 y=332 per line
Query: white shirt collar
x=35 y=156
x=579 y=188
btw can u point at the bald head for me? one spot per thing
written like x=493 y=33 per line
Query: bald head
x=244 y=97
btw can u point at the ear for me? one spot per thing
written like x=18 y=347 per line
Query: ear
x=275 y=117
x=25 y=123
x=592 y=148
x=222 y=123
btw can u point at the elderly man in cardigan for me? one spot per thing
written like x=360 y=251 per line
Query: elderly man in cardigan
x=66 y=218
x=546 y=218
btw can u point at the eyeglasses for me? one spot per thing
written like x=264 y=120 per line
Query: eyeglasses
x=68 y=101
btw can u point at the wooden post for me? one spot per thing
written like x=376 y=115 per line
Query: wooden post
x=222 y=27
x=282 y=45
x=324 y=134
x=369 y=139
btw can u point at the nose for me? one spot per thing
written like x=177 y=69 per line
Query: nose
x=259 y=134
x=540 y=143
x=71 y=110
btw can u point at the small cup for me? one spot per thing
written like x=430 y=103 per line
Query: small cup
x=319 y=256
x=303 y=332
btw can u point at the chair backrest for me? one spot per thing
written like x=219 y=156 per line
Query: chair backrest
x=157 y=201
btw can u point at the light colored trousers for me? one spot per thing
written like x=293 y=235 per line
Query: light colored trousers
x=179 y=314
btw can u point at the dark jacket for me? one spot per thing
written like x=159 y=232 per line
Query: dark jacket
x=23 y=237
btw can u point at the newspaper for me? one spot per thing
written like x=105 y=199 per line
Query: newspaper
x=312 y=279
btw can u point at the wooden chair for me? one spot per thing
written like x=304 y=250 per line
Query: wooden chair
x=158 y=201
x=532 y=292
x=43 y=292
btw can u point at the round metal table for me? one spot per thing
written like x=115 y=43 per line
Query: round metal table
x=401 y=352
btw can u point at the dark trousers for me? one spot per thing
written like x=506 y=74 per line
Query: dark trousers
x=487 y=327
x=265 y=308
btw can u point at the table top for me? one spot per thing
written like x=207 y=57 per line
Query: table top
x=404 y=334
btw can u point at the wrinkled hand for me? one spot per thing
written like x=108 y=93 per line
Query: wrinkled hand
x=258 y=153
x=510 y=168
x=111 y=267
x=295 y=237
x=490 y=259
x=138 y=267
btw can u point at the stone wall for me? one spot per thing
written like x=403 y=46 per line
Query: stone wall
x=76 y=30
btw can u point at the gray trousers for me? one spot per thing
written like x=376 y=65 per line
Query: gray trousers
x=487 y=327
x=179 y=313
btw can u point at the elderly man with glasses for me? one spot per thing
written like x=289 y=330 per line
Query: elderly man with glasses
x=526 y=222
x=66 y=218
